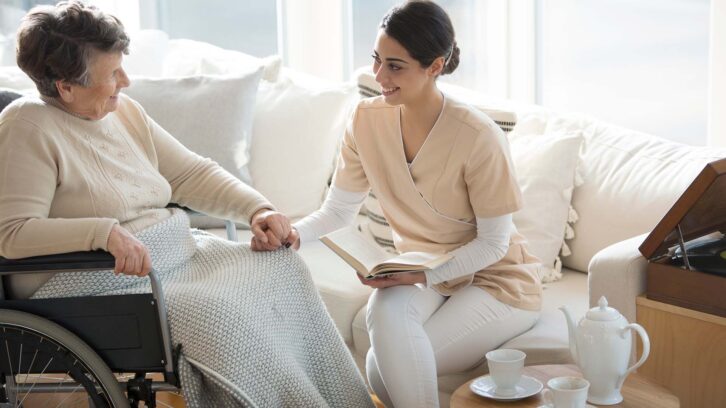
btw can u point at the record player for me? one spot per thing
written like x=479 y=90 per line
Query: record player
x=687 y=249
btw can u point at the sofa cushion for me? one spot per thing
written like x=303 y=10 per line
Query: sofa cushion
x=294 y=141
x=188 y=58
x=545 y=166
x=629 y=181
x=210 y=115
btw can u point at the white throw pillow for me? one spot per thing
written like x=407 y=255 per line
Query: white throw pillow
x=212 y=116
x=545 y=167
x=630 y=180
x=295 y=136
x=189 y=57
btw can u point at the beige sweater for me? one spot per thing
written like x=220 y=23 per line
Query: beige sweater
x=65 y=181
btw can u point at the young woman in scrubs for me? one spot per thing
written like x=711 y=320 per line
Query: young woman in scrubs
x=444 y=179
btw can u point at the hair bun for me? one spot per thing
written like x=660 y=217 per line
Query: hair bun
x=453 y=60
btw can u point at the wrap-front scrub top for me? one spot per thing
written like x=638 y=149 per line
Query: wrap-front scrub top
x=462 y=171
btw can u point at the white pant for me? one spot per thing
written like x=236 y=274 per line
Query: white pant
x=417 y=334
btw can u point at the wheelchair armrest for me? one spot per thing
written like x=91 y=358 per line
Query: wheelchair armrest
x=76 y=261
x=89 y=261
x=186 y=209
x=228 y=224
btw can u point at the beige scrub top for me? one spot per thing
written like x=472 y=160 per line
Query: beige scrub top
x=462 y=171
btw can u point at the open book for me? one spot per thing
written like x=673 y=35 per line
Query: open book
x=370 y=260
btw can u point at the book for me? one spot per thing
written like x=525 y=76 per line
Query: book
x=370 y=260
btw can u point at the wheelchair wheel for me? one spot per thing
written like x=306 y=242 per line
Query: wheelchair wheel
x=43 y=364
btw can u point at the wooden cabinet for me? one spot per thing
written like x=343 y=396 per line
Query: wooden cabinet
x=688 y=352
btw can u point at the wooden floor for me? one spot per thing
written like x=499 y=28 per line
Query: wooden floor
x=163 y=400
x=176 y=401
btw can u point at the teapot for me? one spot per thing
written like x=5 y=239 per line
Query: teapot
x=601 y=344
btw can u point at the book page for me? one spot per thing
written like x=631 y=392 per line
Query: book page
x=350 y=243
x=413 y=262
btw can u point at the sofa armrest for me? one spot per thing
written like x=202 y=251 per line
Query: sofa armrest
x=618 y=272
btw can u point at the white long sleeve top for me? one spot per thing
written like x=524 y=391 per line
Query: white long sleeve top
x=489 y=245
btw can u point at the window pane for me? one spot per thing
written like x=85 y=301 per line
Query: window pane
x=640 y=64
x=367 y=16
x=466 y=17
x=248 y=26
x=11 y=12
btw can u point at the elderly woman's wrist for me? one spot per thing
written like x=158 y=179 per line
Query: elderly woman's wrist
x=102 y=233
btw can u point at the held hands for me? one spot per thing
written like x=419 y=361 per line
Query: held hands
x=132 y=257
x=272 y=230
x=395 y=279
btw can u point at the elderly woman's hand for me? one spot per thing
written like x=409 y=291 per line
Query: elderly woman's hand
x=271 y=230
x=132 y=257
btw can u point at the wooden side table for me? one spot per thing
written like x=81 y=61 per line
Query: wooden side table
x=687 y=352
x=637 y=391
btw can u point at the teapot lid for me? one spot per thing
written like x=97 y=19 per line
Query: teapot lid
x=602 y=312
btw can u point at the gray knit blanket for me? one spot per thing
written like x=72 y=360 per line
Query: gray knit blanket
x=253 y=329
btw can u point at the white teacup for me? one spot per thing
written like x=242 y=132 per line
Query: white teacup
x=566 y=392
x=505 y=368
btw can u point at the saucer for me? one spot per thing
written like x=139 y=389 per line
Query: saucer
x=526 y=387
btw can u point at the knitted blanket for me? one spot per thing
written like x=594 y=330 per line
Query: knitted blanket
x=254 y=331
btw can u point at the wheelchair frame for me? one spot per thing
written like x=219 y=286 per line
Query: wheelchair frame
x=66 y=312
x=63 y=310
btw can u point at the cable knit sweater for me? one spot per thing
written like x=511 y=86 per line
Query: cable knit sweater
x=65 y=181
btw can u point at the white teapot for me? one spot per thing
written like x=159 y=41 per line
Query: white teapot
x=601 y=344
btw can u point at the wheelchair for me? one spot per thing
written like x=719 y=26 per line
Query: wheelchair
x=92 y=351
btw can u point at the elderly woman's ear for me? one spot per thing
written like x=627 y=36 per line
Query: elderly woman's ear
x=65 y=90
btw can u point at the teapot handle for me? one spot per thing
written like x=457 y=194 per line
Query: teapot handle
x=646 y=349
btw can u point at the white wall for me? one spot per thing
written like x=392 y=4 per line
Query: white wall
x=314 y=36
x=717 y=76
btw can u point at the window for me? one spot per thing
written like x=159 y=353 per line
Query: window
x=640 y=64
x=247 y=26
x=466 y=16
x=12 y=11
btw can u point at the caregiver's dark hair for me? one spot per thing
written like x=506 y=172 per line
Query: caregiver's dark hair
x=424 y=29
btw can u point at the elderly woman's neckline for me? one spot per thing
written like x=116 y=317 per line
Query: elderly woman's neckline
x=59 y=105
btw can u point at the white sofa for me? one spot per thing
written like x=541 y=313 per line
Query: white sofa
x=624 y=183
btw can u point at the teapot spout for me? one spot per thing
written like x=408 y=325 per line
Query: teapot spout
x=571 y=330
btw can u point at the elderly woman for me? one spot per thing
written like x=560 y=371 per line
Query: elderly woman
x=84 y=168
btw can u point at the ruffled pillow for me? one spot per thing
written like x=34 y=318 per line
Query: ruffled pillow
x=546 y=168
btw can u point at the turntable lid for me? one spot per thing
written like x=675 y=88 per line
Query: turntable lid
x=700 y=210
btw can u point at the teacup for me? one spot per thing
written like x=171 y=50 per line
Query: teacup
x=505 y=368
x=566 y=392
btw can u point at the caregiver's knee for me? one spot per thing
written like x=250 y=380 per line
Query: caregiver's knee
x=391 y=307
